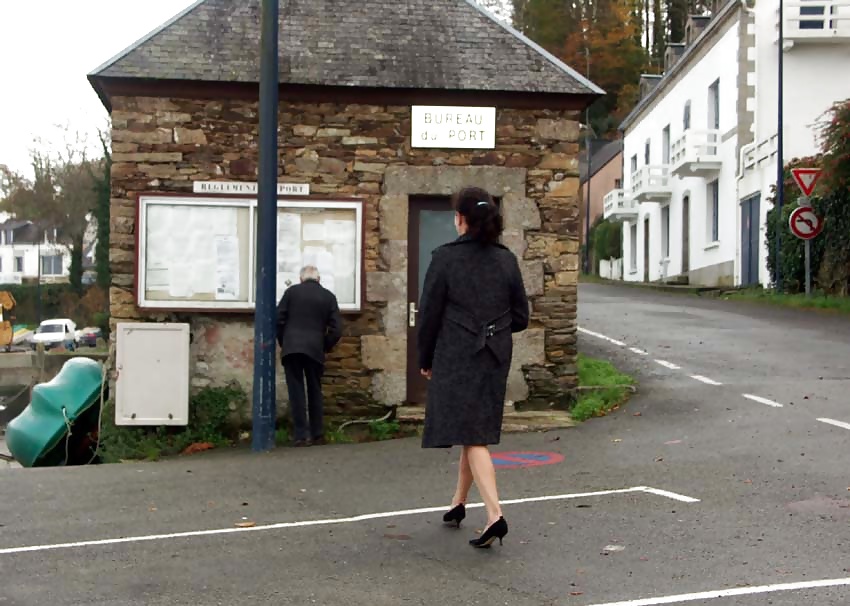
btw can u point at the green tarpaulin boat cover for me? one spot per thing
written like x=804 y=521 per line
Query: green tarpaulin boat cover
x=55 y=406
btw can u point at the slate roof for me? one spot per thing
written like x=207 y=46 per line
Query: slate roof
x=600 y=157
x=417 y=44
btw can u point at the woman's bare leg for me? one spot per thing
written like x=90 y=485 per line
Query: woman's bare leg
x=464 y=480
x=485 y=479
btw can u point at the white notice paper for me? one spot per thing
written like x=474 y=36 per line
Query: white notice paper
x=227 y=268
x=342 y=232
x=180 y=280
x=289 y=229
x=314 y=232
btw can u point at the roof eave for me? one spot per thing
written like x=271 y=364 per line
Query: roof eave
x=592 y=88
x=629 y=120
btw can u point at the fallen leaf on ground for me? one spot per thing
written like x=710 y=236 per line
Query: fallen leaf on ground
x=198 y=447
x=152 y=509
x=637 y=414
x=576 y=593
x=245 y=524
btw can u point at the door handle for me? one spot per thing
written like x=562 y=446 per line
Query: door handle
x=411 y=319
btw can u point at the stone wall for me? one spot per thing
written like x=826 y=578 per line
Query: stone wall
x=363 y=150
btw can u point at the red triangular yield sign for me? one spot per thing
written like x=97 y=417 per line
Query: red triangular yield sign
x=806 y=179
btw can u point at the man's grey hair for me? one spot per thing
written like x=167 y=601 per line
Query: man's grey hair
x=309 y=272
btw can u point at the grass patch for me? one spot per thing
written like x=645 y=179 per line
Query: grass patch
x=599 y=402
x=818 y=300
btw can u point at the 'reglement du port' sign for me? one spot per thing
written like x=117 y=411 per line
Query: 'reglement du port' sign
x=453 y=127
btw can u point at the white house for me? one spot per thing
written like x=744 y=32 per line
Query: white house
x=700 y=147
x=23 y=249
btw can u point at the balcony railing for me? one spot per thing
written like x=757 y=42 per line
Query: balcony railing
x=696 y=154
x=619 y=206
x=651 y=184
x=816 y=21
x=757 y=155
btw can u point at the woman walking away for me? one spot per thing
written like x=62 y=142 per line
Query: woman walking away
x=473 y=300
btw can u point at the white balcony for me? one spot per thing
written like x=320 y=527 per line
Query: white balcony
x=816 y=21
x=651 y=184
x=696 y=154
x=618 y=206
x=759 y=155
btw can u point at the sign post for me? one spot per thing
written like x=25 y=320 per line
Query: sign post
x=804 y=223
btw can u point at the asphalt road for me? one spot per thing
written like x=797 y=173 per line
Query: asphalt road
x=758 y=494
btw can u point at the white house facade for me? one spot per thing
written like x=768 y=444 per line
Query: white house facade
x=700 y=147
x=23 y=257
x=815 y=63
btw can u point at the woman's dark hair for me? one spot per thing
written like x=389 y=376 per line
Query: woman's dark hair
x=481 y=214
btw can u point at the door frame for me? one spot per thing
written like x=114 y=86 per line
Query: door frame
x=686 y=234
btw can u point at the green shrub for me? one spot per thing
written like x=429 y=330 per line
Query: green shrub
x=210 y=421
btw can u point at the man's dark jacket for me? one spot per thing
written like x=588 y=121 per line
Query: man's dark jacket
x=308 y=321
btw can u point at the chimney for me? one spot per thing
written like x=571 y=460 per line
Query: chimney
x=648 y=82
x=694 y=27
x=672 y=54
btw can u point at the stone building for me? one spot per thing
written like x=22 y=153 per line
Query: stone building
x=184 y=108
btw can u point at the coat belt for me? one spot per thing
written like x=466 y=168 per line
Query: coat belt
x=482 y=331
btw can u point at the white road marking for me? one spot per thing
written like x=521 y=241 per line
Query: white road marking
x=326 y=522
x=705 y=380
x=725 y=593
x=840 y=424
x=639 y=352
x=671 y=495
x=600 y=336
x=669 y=365
x=761 y=400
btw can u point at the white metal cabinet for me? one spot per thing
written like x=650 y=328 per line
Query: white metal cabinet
x=152 y=366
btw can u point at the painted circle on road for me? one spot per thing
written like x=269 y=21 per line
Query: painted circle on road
x=516 y=460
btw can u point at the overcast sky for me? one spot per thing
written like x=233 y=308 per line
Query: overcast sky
x=47 y=47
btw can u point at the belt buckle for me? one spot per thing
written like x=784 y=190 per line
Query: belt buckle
x=491 y=330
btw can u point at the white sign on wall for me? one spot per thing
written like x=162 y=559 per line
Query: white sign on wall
x=453 y=127
x=244 y=187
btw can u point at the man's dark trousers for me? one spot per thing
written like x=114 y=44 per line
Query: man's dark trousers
x=298 y=369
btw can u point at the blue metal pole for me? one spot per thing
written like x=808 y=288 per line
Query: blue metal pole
x=264 y=411
x=780 y=161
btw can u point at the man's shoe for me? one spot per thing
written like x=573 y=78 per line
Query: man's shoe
x=301 y=443
x=320 y=441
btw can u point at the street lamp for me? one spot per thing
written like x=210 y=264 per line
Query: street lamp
x=264 y=406
x=780 y=163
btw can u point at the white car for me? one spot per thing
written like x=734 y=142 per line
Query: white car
x=53 y=333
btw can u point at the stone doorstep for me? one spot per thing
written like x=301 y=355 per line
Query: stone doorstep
x=514 y=421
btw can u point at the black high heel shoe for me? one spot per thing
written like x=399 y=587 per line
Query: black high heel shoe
x=498 y=530
x=455 y=515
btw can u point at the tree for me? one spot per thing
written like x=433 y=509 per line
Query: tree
x=608 y=37
x=101 y=174
x=59 y=197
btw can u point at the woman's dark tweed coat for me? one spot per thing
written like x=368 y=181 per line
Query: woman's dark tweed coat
x=473 y=300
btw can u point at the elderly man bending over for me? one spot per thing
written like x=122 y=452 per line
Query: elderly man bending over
x=308 y=327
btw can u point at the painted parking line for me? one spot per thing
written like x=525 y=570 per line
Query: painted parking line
x=725 y=593
x=840 y=424
x=761 y=400
x=669 y=365
x=639 y=352
x=705 y=380
x=331 y=521
x=600 y=336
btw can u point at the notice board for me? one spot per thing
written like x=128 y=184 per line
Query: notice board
x=199 y=253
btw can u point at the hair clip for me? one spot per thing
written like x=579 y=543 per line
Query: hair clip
x=483 y=203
